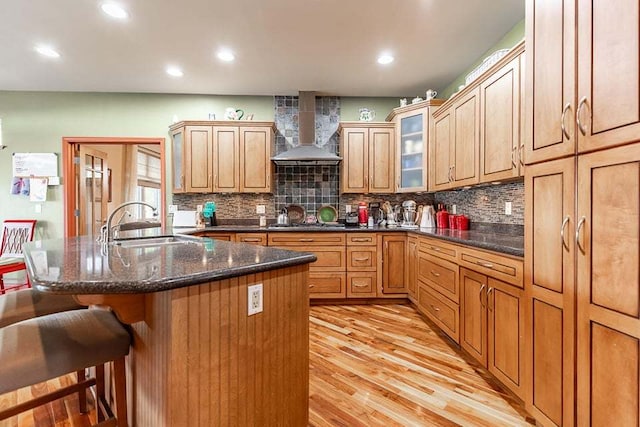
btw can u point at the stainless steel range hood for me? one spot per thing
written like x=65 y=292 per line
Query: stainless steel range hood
x=307 y=153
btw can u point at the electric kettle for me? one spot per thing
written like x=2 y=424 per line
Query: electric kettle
x=283 y=218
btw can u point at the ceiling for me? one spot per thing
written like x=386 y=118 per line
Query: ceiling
x=281 y=46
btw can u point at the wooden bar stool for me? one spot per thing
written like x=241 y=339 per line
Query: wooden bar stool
x=46 y=347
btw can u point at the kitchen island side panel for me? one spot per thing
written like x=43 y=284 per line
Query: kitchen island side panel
x=220 y=366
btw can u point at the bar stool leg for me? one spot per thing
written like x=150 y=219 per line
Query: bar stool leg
x=82 y=394
x=100 y=393
x=120 y=381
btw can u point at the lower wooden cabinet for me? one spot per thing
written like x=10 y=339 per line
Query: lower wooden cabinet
x=362 y=265
x=217 y=235
x=252 y=238
x=327 y=285
x=492 y=327
x=440 y=310
x=394 y=255
x=361 y=284
x=411 y=273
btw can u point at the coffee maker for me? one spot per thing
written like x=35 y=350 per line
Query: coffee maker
x=376 y=212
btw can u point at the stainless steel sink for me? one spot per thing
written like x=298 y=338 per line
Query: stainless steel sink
x=151 y=241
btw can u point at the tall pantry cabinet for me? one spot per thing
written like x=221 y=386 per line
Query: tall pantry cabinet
x=582 y=221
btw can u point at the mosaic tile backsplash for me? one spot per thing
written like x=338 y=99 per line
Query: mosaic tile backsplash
x=314 y=186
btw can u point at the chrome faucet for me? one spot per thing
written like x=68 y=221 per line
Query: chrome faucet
x=106 y=231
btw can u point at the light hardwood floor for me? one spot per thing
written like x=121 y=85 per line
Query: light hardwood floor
x=373 y=365
x=383 y=365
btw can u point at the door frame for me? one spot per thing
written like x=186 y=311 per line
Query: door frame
x=68 y=176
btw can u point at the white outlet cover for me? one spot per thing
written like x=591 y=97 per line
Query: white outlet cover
x=507 y=208
x=261 y=209
x=173 y=208
x=347 y=208
x=254 y=299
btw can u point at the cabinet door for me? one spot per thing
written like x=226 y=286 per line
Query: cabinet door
x=500 y=124
x=177 y=161
x=466 y=145
x=550 y=289
x=381 y=160
x=473 y=316
x=506 y=335
x=354 y=149
x=412 y=263
x=393 y=260
x=226 y=159
x=609 y=73
x=608 y=273
x=198 y=158
x=411 y=163
x=440 y=162
x=550 y=82
x=255 y=159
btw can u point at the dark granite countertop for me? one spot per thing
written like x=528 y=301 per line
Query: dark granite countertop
x=83 y=266
x=507 y=240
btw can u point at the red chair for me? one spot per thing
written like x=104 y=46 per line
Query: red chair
x=15 y=232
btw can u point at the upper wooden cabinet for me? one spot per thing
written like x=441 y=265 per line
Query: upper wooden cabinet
x=222 y=157
x=475 y=136
x=412 y=136
x=599 y=106
x=368 y=156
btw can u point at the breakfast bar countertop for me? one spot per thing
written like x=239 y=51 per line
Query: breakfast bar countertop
x=80 y=265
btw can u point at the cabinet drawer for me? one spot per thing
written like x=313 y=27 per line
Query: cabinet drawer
x=228 y=237
x=328 y=259
x=361 y=239
x=443 y=312
x=440 y=275
x=438 y=248
x=327 y=285
x=361 y=284
x=362 y=258
x=252 y=238
x=507 y=269
x=306 y=239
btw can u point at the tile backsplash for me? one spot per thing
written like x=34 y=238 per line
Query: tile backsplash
x=314 y=186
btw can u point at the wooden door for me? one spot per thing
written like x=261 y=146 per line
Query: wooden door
x=93 y=191
x=393 y=264
x=608 y=279
x=608 y=73
x=226 y=159
x=255 y=159
x=354 y=147
x=382 y=160
x=197 y=143
x=440 y=161
x=473 y=314
x=500 y=124
x=466 y=143
x=550 y=82
x=550 y=290
x=505 y=304
x=177 y=161
x=412 y=264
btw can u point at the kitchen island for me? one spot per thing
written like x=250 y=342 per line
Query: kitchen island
x=198 y=358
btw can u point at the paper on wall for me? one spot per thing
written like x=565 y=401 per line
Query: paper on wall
x=38 y=191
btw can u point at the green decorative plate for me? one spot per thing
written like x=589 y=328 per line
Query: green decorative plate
x=327 y=213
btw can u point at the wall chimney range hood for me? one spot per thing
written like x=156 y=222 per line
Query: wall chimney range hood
x=307 y=153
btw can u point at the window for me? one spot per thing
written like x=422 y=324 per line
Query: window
x=148 y=175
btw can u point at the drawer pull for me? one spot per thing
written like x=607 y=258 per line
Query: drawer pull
x=361 y=259
x=480 y=296
x=250 y=240
x=434 y=274
x=436 y=309
x=564 y=224
x=580 y=224
x=360 y=285
x=488 y=300
x=312 y=286
x=305 y=240
x=484 y=264
x=361 y=240
x=433 y=248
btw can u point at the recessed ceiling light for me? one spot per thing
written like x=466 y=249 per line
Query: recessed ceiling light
x=47 y=51
x=114 y=10
x=175 y=72
x=385 y=59
x=226 y=55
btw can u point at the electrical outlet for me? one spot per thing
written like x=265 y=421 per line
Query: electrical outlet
x=173 y=209
x=507 y=208
x=347 y=208
x=254 y=298
x=454 y=209
x=261 y=209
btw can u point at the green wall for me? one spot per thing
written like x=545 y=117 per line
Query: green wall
x=350 y=107
x=510 y=39
x=37 y=122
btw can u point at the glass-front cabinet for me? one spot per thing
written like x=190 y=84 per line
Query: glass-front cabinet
x=412 y=124
x=177 y=155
